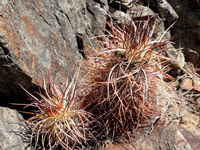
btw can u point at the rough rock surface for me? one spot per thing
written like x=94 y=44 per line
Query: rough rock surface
x=39 y=39
x=168 y=17
x=164 y=9
x=11 y=129
x=170 y=137
x=187 y=28
x=42 y=38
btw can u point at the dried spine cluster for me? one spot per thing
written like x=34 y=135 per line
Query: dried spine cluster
x=128 y=78
x=58 y=121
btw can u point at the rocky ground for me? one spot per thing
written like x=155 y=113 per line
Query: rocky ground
x=39 y=39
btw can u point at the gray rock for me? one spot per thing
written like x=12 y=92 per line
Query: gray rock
x=187 y=28
x=167 y=16
x=11 y=130
x=164 y=9
x=124 y=4
x=166 y=12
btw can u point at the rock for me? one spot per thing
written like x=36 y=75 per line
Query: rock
x=197 y=85
x=166 y=12
x=118 y=147
x=168 y=16
x=190 y=122
x=42 y=39
x=164 y=9
x=11 y=130
x=170 y=137
x=187 y=139
x=191 y=80
x=124 y=4
x=186 y=30
x=187 y=84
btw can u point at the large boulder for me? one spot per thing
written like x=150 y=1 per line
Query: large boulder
x=39 y=39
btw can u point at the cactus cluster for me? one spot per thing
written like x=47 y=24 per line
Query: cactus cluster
x=126 y=84
x=128 y=78
x=59 y=121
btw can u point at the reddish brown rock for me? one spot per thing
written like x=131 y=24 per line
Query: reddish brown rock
x=187 y=84
x=190 y=84
x=39 y=39
x=170 y=137
x=190 y=122
x=197 y=84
